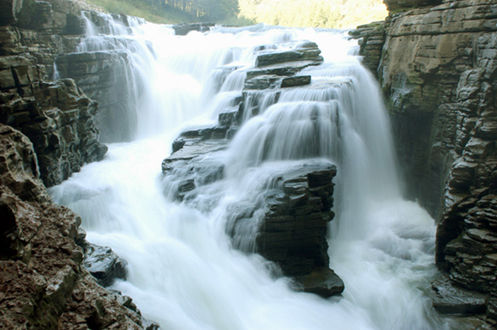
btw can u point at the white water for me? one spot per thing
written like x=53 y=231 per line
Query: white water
x=182 y=271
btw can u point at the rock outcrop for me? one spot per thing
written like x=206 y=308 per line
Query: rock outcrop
x=57 y=116
x=184 y=29
x=42 y=282
x=292 y=231
x=288 y=222
x=438 y=71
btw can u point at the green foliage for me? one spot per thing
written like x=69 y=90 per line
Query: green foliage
x=175 y=11
x=313 y=13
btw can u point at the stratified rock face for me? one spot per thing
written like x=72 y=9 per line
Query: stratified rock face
x=42 y=282
x=60 y=121
x=103 y=76
x=371 y=39
x=292 y=232
x=57 y=117
x=438 y=70
x=287 y=223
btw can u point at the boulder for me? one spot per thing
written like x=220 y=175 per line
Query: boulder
x=292 y=232
x=184 y=29
x=104 y=264
x=323 y=282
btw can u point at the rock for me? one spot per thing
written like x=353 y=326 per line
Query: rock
x=263 y=82
x=323 y=282
x=398 y=5
x=184 y=29
x=449 y=299
x=104 y=264
x=59 y=120
x=295 y=81
x=292 y=231
x=192 y=165
x=57 y=117
x=18 y=165
x=371 y=39
x=102 y=75
x=42 y=283
x=308 y=53
x=437 y=72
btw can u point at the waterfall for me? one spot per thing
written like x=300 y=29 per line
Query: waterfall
x=182 y=270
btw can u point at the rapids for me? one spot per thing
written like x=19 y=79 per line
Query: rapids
x=182 y=269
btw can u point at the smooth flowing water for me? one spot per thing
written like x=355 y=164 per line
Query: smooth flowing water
x=182 y=270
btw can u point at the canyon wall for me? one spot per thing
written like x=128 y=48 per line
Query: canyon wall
x=436 y=63
x=48 y=131
x=56 y=115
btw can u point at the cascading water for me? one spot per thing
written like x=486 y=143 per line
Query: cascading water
x=182 y=270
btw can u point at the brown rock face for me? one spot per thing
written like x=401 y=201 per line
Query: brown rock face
x=57 y=117
x=42 y=282
x=438 y=71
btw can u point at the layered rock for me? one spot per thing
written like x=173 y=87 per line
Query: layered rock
x=287 y=223
x=437 y=69
x=292 y=231
x=42 y=282
x=104 y=75
x=56 y=116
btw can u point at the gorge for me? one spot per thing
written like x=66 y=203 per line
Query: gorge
x=272 y=140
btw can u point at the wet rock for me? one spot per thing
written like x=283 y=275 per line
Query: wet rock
x=307 y=52
x=449 y=299
x=184 y=29
x=371 y=39
x=192 y=165
x=288 y=224
x=263 y=82
x=323 y=282
x=103 y=77
x=57 y=117
x=291 y=231
x=295 y=81
x=59 y=120
x=104 y=264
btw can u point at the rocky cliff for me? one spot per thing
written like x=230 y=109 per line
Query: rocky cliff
x=436 y=62
x=56 y=115
x=42 y=282
x=48 y=131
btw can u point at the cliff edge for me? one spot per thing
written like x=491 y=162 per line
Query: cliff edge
x=436 y=63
